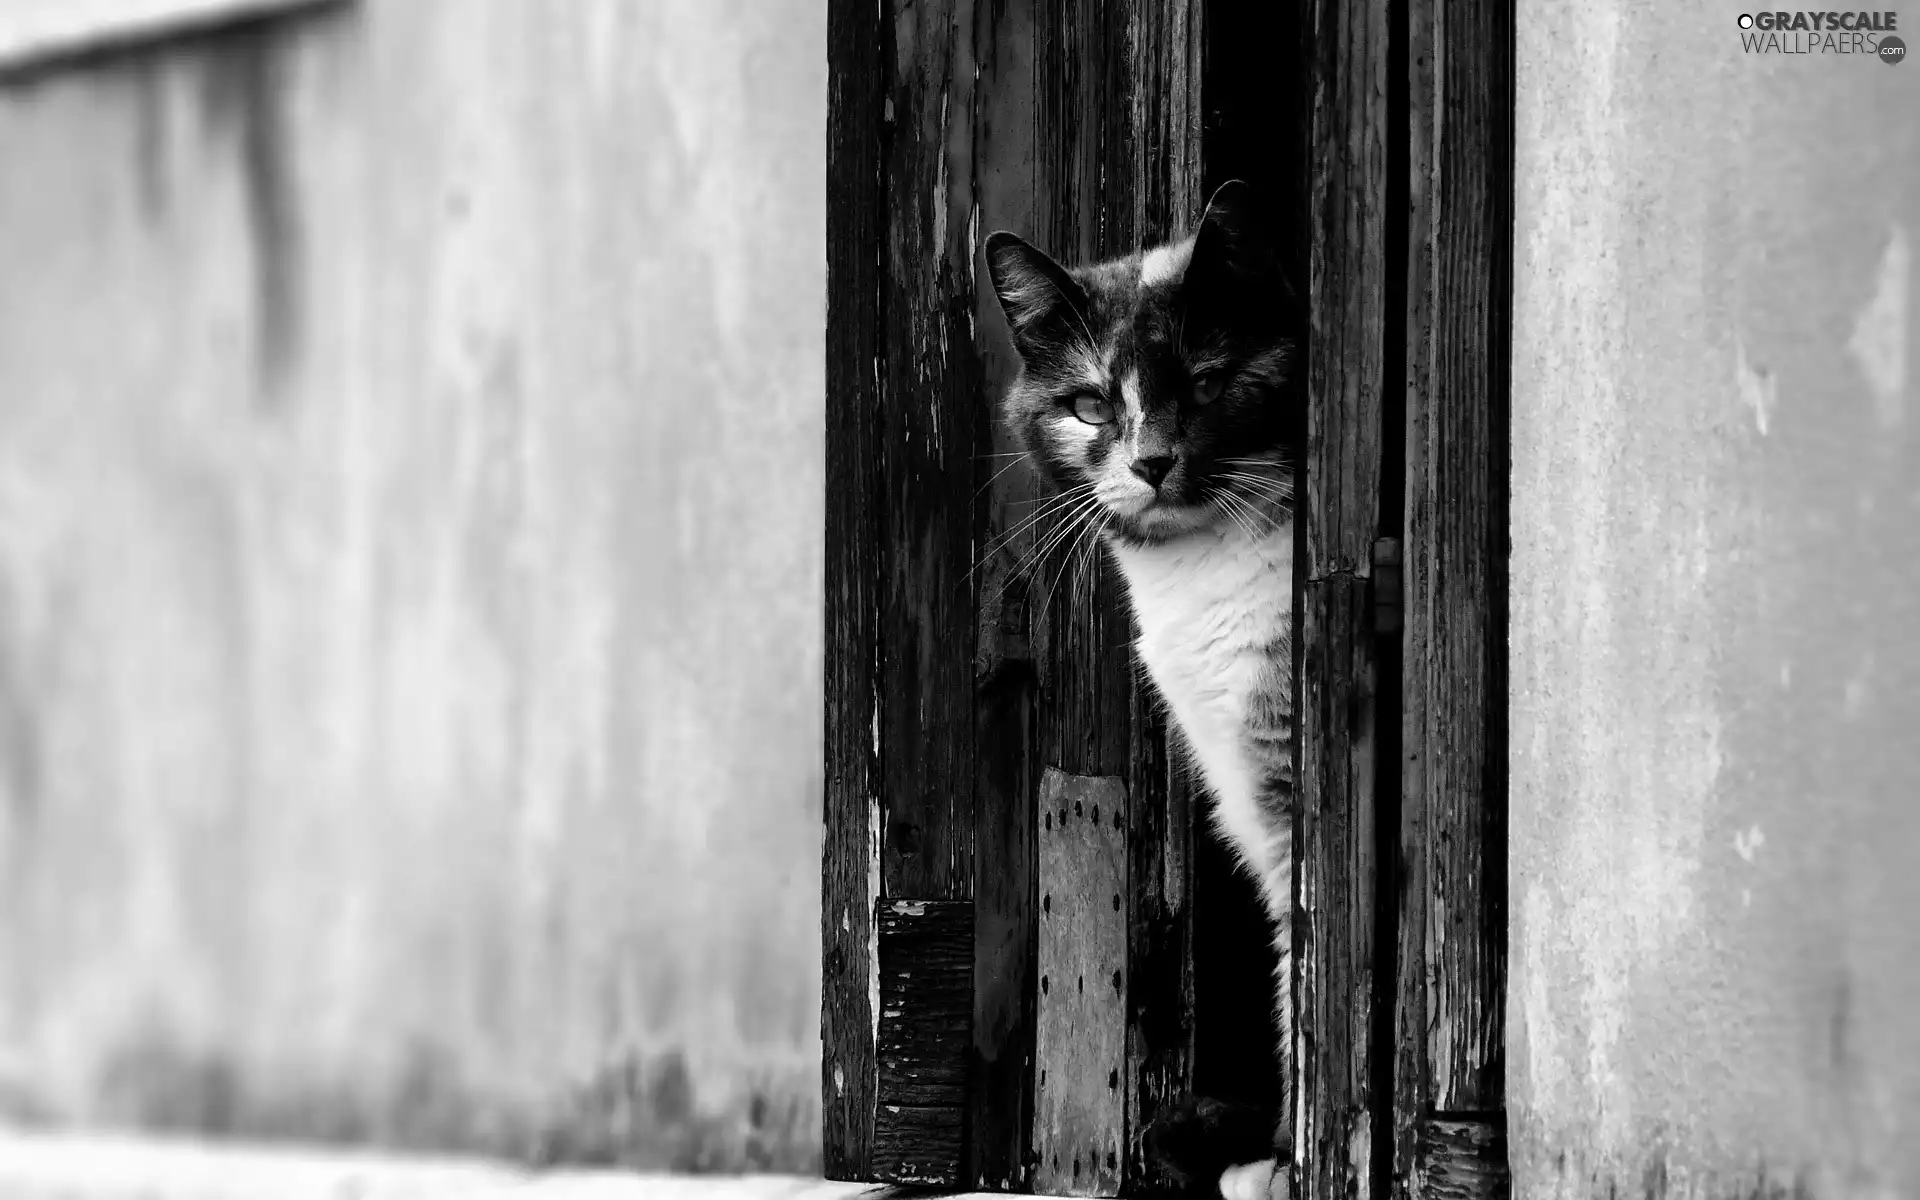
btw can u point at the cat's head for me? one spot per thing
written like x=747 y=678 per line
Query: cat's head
x=1165 y=384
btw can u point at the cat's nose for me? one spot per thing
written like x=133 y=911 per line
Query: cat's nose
x=1153 y=470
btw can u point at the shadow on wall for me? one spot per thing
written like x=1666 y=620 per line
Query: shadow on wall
x=410 y=581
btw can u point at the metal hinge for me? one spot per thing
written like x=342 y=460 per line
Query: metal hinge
x=1386 y=585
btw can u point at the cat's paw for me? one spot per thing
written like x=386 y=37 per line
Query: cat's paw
x=1263 y=1180
x=1197 y=1139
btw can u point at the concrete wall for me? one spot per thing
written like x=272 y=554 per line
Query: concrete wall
x=1716 y=578
x=410 y=511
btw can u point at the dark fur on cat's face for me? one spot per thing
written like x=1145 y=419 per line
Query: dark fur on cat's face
x=1150 y=381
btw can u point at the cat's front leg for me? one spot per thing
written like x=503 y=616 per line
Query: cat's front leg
x=1270 y=1178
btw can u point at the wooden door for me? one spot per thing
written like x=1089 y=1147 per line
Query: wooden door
x=1401 y=944
x=1012 y=872
x=977 y=914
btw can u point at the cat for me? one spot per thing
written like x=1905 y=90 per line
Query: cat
x=1159 y=393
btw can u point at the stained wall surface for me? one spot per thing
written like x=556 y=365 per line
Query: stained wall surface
x=1715 y=870
x=410 y=509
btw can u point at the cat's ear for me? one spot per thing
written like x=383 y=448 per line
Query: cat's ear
x=1033 y=289
x=1234 y=242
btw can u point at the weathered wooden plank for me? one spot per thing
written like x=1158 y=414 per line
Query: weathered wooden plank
x=1335 y=888
x=1460 y=539
x=1462 y=1158
x=1005 y=678
x=1453 y=932
x=1347 y=271
x=1079 y=1129
x=1075 y=122
x=924 y=1039
x=927 y=425
x=1335 y=892
x=926 y=1001
x=1450 y=1008
x=1410 y=1083
x=918 y=1146
x=1166 y=41
x=855 y=350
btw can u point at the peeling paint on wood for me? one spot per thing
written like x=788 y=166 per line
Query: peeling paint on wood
x=1461 y=1159
x=923 y=1042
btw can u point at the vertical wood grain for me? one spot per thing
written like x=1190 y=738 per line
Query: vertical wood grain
x=1080 y=1117
x=1458 y=477
x=856 y=218
x=1451 y=1004
x=1412 y=1087
x=1335 y=893
x=927 y=409
x=1335 y=896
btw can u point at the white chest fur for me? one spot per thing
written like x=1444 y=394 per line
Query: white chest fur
x=1213 y=611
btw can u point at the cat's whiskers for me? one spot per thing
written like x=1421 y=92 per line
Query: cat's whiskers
x=1088 y=562
x=1095 y=559
x=1272 y=490
x=1238 y=511
x=1046 y=599
x=995 y=477
x=1241 y=517
x=1280 y=472
x=1068 y=507
x=1050 y=506
x=1075 y=563
x=1268 y=480
x=1085 y=542
x=1068 y=527
x=1268 y=514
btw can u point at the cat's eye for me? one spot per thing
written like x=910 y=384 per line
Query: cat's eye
x=1092 y=409
x=1207 y=386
